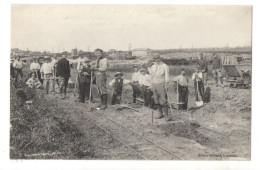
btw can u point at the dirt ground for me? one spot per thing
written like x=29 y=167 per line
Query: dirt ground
x=228 y=112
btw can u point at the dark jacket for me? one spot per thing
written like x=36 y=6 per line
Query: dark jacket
x=63 y=68
x=12 y=72
x=216 y=63
x=85 y=78
x=203 y=65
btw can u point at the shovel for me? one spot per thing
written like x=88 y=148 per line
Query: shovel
x=75 y=87
x=200 y=102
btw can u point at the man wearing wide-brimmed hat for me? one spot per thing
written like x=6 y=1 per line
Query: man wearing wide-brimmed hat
x=47 y=74
x=84 y=80
x=160 y=78
x=100 y=68
x=117 y=83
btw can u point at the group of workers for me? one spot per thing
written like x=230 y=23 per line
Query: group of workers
x=150 y=82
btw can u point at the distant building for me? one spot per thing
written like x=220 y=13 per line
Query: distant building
x=141 y=52
x=74 y=52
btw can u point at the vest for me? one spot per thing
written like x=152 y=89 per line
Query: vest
x=118 y=85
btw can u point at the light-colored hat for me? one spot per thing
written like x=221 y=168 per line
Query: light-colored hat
x=86 y=60
x=11 y=59
x=142 y=70
x=118 y=74
x=46 y=57
x=156 y=57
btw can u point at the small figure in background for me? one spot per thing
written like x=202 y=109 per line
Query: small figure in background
x=117 y=83
x=197 y=77
x=135 y=83
x=33 y=82
x=146 y=83
x=203 y=66
x=216 y=69
x=18 y=66
x=12 y=71
x=182 y=82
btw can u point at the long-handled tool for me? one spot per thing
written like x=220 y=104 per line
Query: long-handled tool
x=90 y=88
x=168 y=99
x=76 y=84
x=200 y=102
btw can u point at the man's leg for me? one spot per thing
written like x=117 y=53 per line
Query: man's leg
x=113 y=100
x=88 y=91
x=163 y=101
x=61 y=85
x=156 y=101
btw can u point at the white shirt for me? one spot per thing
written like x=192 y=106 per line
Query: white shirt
x=18 y=64
x=182 y=80
x=135 y=76
x=47 y=68
x=80 y=60
x=145 y=80
x=35 y=66
x=199 y=76
x=159 y=73
x=125 y=82
x=32 y=81
x=103 y=65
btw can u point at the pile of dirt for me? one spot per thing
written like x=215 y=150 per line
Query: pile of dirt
x=186 y=130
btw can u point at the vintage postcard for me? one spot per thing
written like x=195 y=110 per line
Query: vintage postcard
x=130 y=82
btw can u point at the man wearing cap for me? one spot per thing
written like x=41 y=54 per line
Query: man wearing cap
x=47 y=74
x=18 y=66
x=160 y=78
x=135 y=83
x=35 y=67
x=84 y=80
x=117 y=83
x=203 y=66
x=63 y=72
x=101 y=66
x=216 y=69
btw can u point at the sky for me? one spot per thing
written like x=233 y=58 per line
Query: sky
x=57 y=28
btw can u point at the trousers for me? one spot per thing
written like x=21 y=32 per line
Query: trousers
x=159 y=93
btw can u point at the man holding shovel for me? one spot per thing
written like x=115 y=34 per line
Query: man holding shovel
x=160 y=78
x=197 y=77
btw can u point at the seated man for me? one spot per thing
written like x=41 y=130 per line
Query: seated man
x=117 y=85
x=33 y=82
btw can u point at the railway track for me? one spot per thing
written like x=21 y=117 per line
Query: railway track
x=142 y=146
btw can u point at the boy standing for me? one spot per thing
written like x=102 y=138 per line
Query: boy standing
x=181 y=82
x=135 y=83
x=145 y=83
x=84 y=80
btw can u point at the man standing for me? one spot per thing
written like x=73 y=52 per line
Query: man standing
x=35 y=67
x=203 y=66
x=145 y=83
x=84 y=80
x=135 y=83
x=101 y=77
x=63 y=72
x=197 y=77
x=182 y=82
x=216 y=69
x=18 y=66
x=160 y=78
x=47 y=74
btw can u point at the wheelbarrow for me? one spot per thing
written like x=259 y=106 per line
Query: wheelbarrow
x=239 y=75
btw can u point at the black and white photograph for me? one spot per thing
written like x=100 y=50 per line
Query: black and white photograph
x=130 y=82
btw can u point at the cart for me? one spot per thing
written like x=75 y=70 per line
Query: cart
x=239 y=75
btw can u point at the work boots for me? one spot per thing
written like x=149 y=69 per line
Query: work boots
x=165 y=111
x=160 y=112
x=104 y=101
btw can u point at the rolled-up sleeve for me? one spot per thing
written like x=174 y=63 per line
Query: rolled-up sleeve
x=166 y=73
